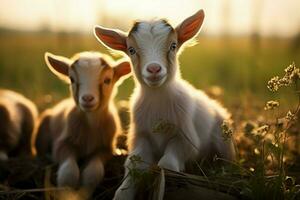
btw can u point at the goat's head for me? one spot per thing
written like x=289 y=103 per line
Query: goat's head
x=91 y=77
x=152 y=46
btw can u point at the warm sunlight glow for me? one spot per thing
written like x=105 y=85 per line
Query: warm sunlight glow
x=273 y=17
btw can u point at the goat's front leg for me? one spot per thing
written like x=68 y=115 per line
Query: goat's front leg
x=68 y=173
x=91 y=175
x=182 y=147
x=173 y=158
x=127 y=190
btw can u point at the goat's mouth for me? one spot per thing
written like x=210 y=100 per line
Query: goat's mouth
x=89 y=106
x=155 y=81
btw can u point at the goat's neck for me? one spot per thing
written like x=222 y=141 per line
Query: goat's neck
x=166 y=89
x=156 y=96
x=95 y=117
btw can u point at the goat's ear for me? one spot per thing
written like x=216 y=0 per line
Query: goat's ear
x=121 y=69
x=58 y=65
x=114 y=39
x=189 y=27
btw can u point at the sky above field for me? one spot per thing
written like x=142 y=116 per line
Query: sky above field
x=269 y=17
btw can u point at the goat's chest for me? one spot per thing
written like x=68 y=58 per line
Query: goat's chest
x=158 y=121
x=93 y=139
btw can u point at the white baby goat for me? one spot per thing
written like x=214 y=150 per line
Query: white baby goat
x=82 y=128
x=161 y=94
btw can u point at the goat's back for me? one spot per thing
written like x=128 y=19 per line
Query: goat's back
x=50 y=127
x=18 y=122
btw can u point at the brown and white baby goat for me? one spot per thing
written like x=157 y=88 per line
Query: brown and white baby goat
x=18 y=117
x=82 y=128
x=161 y=94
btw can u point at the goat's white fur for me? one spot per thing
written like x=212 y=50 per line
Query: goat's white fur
x=87 y=67
x=196 y=117
x=177 y=102
x=152 y=38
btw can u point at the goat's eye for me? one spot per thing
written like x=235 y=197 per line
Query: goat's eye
x=131 y=50
x=107 y=81
x=72 y=79
x=173 y=46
